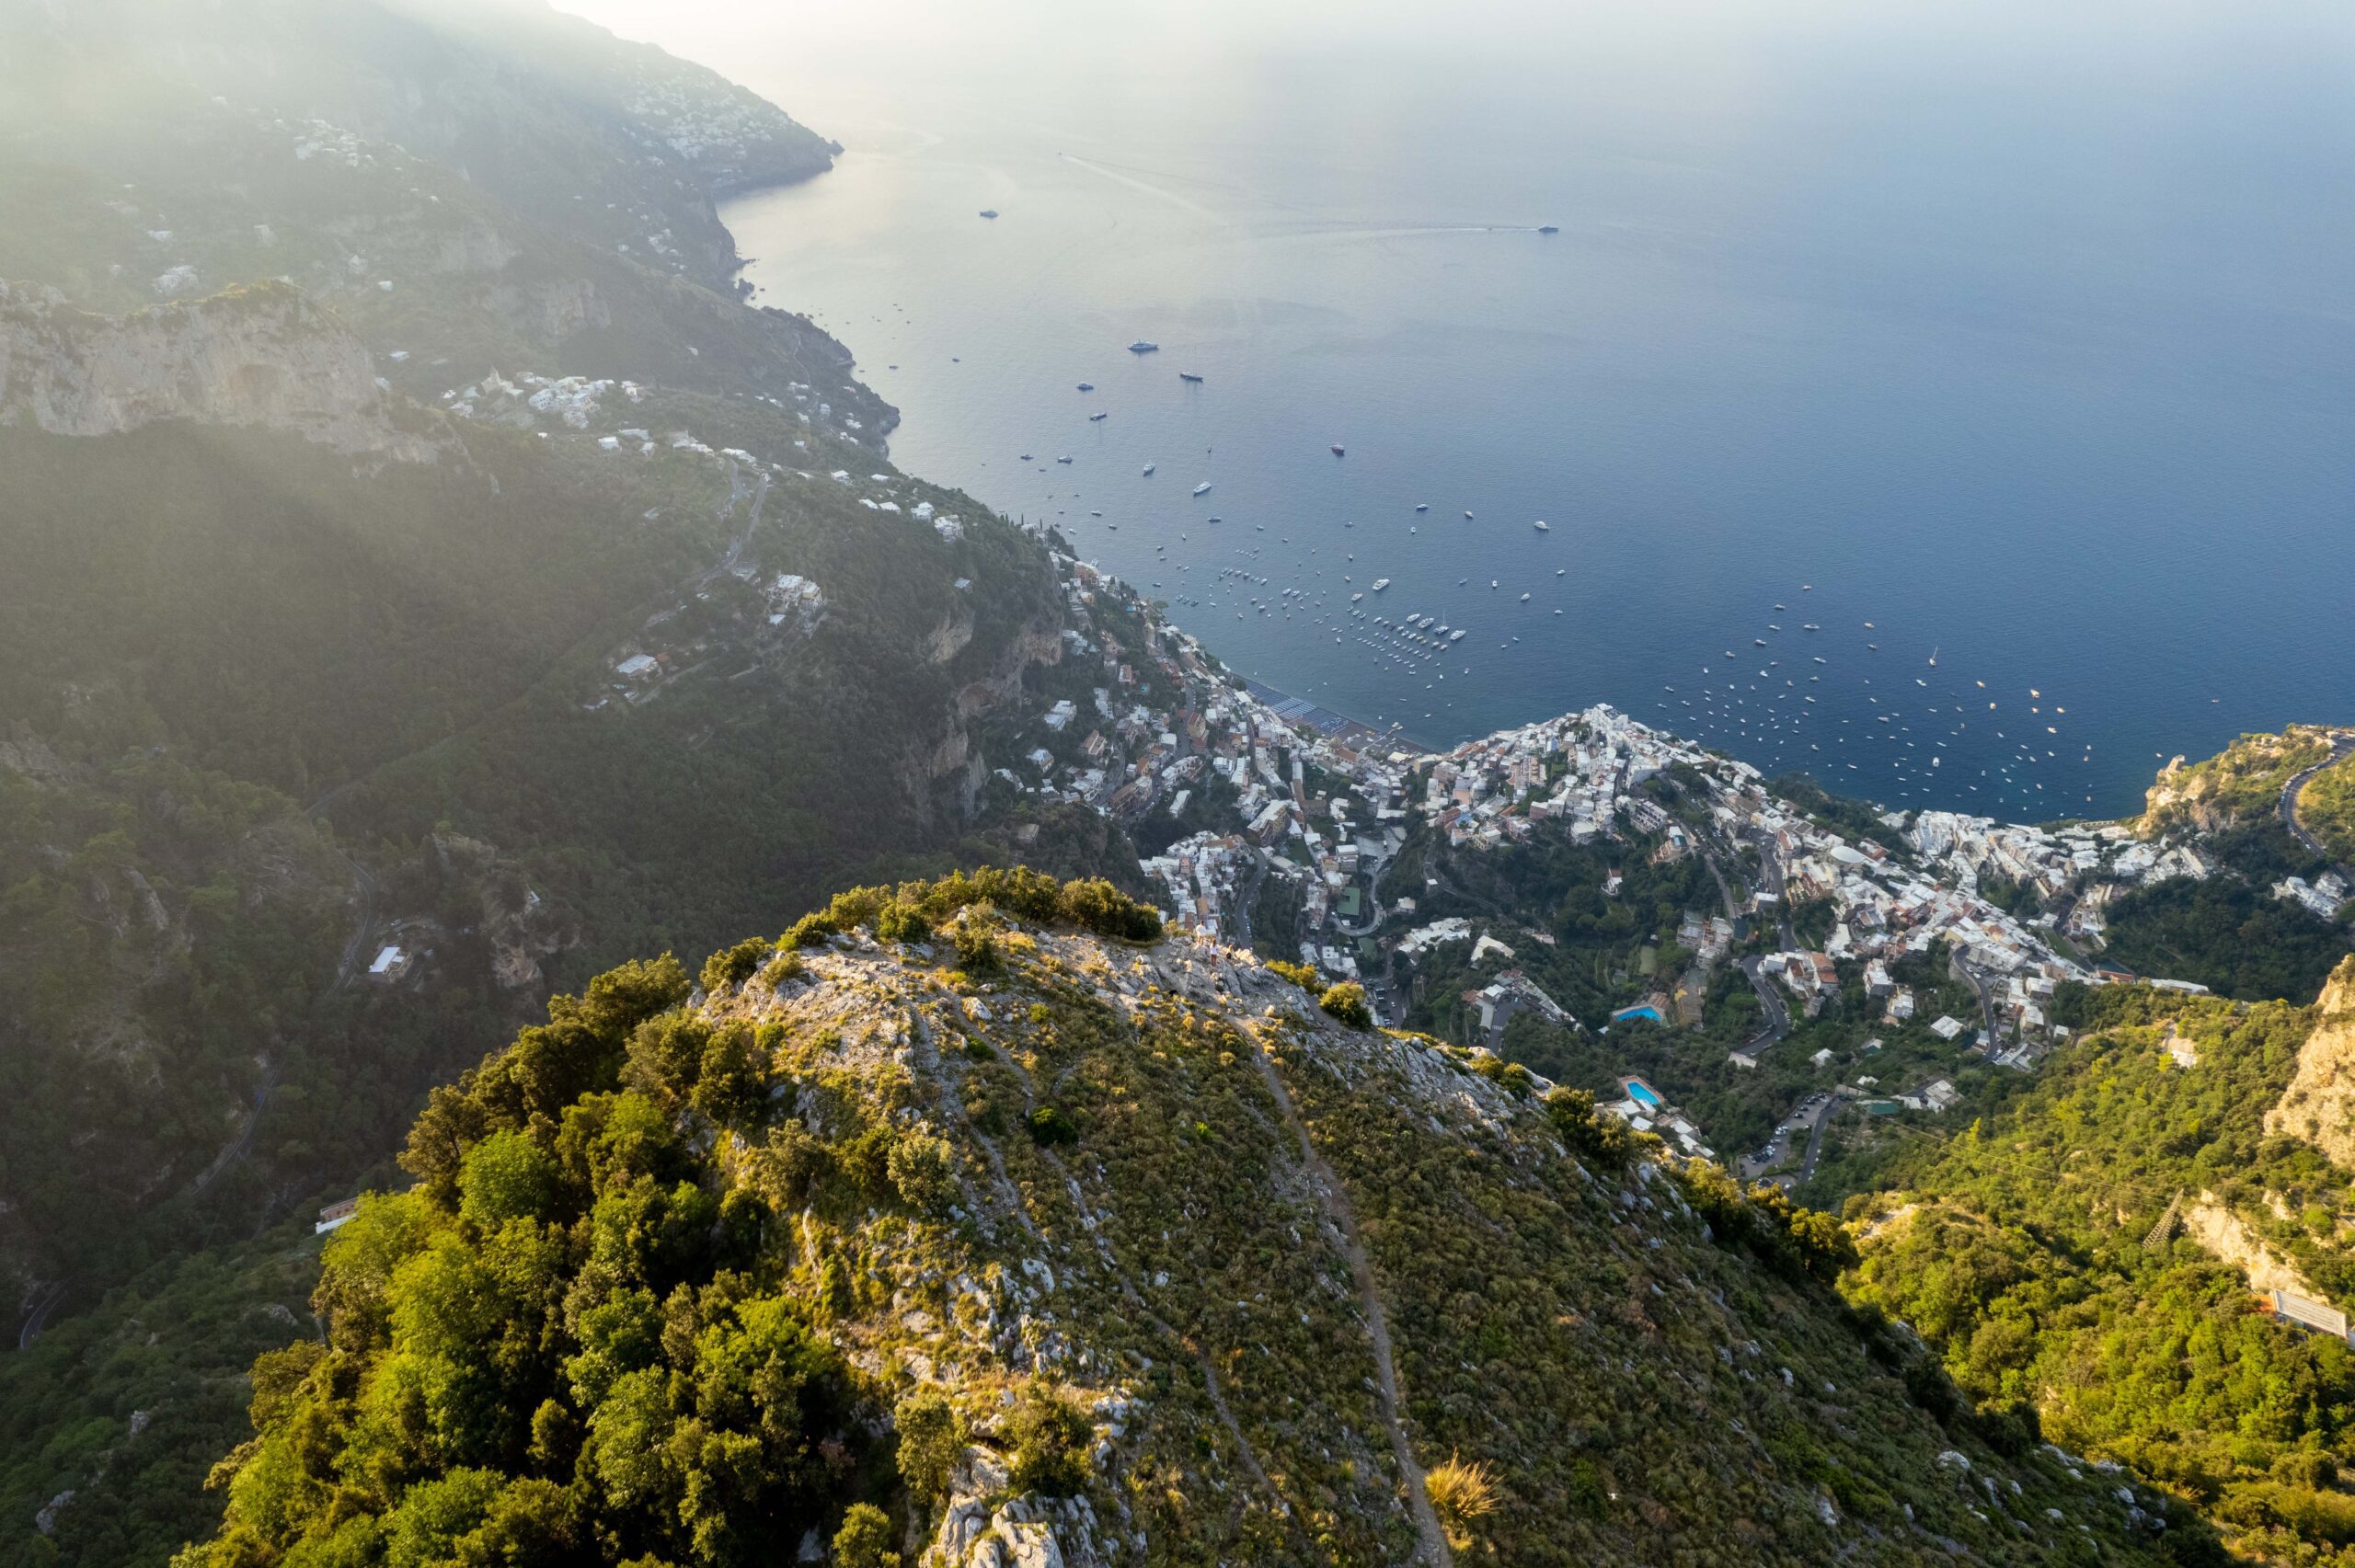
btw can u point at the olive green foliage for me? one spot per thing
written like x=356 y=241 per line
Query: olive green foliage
x=2226 y=933
x=731 y=966
x=1613 y=1389
x=2243 y=781
x=1302 y=975
x=932 y=1433
x=911 y=911
x=897 y=921
x=865 y=1539
x=2019 y=1252
x=923 y=1169
x=128 y=1400
x=2326 y=808
x=975 y=935
x=1049 y=1435
x=1593 y=1135
x=1347 y=1002
x=644 y=1322
x=1794 y=1240
x=561 y=1346
x=1050 y=1126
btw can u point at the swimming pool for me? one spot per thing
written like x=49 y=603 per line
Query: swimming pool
x=1641 y=1091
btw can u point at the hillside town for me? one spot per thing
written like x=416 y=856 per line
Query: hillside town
x=1293 y=817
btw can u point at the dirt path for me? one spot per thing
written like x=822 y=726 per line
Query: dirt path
x=1344 y=1219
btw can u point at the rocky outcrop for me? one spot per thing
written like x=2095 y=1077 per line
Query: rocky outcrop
x=264 y=356
x=2221 y=1231
x=2319 y=1104
x=1025 y=1531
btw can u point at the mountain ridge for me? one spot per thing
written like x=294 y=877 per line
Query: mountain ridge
x=1036 y=1110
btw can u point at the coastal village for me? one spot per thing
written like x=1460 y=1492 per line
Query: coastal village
x=1324 y=807
x=1276 y=824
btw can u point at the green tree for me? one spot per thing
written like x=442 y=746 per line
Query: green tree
x=865 y=1539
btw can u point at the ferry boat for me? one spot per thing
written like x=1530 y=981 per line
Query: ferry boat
x=1204 y=488
x=1142 y=346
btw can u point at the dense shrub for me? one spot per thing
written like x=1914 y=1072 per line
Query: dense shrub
x=1302 y=975
x=1049 y=1437
x=1048 y=1125
x=1347 y=1002
x=731 y=966
x=1592 y=1134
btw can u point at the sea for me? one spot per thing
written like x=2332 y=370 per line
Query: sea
x=1956 y=403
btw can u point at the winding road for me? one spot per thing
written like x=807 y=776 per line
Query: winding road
x=2342 y=747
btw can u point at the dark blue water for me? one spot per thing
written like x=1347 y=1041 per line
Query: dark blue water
x=2030 y=343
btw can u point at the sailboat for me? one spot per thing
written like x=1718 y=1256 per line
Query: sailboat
x=1934 y=655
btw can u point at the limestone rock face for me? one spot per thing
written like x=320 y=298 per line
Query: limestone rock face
x=2319 y=1104
x=266 y=354
x=2221 y=1231
x=1026 y=1531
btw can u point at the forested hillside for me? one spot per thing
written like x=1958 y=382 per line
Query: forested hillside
x=318 y=588
x=2093 y=1254
x=936 y=1226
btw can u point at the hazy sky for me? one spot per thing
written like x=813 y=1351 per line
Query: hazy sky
x=875 y=60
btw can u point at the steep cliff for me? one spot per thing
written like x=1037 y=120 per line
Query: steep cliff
x=263 y=355
x=2319 y=1104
